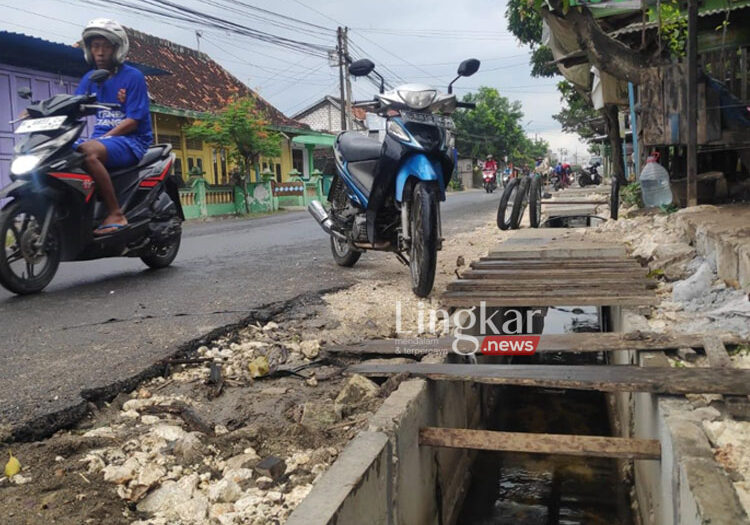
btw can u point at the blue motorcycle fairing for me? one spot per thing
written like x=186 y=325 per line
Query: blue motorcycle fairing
x=419 y=166
x=354 y=193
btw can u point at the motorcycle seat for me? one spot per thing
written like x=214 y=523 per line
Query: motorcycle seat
x=154 y=153
x=356 y=147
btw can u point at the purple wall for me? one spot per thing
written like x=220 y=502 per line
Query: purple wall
x=42 y=84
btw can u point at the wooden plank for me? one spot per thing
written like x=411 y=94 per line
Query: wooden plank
x=564 y=444
x=602 y=378
x=499 y=257
x=508 y=285
x=549 y=274
x=520 y=265
x=468 y=299
x=575 y=202
x=716 y=352
x=562 y=250
x=552 y=343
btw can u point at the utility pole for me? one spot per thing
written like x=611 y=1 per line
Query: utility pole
x=342 y=61
x=348 y=78
x=198 y=36
x=692 y=103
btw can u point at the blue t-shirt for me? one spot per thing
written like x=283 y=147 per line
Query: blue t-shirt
x=136 y=106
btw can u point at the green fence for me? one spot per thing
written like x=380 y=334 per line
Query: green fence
x=199 y=199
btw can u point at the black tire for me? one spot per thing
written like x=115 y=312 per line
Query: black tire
x=503 y=210
x=519 y=203
x=163 y=256
x=424 y=238
x=614 y=199
x=19 y=223
x=344 y=253
x=535 y=202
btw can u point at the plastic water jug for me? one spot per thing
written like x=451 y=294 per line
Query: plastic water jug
x=655 y=183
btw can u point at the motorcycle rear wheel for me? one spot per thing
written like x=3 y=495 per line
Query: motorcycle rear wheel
x=20 y=225
x=424 y=238
x=163 y=256
x=343 y=253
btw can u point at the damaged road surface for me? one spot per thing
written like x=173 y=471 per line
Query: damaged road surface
x=102 y=326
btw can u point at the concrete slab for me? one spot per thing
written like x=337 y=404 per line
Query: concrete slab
x=356 y=489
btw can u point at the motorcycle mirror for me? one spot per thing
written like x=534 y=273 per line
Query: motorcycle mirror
x=361 y=67
x=24 y=92
x=465 y=69
x=468 y=67
x=99 y=76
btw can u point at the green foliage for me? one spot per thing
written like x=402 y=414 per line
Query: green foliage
x=242 y=128
x=456 y=184
x=673 y=26
x=631 y=195
x=576 y=114
x=669 y=208
x=493 y=127
x=524 y=21
x=540 y=63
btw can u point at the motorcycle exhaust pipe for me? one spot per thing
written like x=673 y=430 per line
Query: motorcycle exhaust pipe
x=321 y=217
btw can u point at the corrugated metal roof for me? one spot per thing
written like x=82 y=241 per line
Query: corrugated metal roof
x=638 y=26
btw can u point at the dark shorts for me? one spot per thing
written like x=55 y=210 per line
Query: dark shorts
x=119 y=153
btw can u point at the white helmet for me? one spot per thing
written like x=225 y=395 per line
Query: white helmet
x=112 y=31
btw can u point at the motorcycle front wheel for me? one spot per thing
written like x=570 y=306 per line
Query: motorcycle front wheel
x=344 y=253
x=424 y=238
x=25 y=268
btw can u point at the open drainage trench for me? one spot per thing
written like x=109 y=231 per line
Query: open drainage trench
x=510 y=488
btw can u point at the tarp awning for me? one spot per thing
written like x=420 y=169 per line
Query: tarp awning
x=315 y=140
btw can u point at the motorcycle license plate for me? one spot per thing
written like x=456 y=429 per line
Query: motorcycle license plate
x=428 y=118
x=40 y=124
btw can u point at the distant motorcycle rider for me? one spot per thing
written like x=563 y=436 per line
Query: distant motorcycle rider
x=490 y=164
x=120 y=137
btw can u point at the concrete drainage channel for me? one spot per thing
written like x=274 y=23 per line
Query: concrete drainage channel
x=514 y=428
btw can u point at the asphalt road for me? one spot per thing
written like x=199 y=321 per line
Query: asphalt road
x=102 y=322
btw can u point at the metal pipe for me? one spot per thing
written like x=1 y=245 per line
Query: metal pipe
x=321 y=217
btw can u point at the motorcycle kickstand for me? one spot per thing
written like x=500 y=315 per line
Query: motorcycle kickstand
x=402 y=259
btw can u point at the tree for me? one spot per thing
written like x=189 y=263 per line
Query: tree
x=242 y=128
x=577 y=113
x=525 y=22
x=494 y=127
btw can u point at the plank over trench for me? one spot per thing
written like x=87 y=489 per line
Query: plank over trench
x=604 y=378
x=510 y=284
x=551 y=343
x=550 y=298
x=567 y=444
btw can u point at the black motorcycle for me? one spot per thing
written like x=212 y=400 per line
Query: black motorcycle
x=53 y=209
x=590 y=176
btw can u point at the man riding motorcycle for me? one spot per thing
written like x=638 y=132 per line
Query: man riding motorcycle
x=120 y=137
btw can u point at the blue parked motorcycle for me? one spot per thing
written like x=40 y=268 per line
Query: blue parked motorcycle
x=386 y=196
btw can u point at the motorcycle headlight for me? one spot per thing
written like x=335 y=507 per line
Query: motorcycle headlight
x=418 y=99
x=395 y=129
x=24 y=164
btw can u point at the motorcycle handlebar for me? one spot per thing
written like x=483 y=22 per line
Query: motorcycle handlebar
x=467 y=105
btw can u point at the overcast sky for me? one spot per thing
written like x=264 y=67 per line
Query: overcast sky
x=416 y=40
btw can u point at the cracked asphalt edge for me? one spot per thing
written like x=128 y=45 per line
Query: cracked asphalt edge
x=46 y=425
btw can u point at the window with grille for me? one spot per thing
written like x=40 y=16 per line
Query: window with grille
x=195 y=144
x=174 y=140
